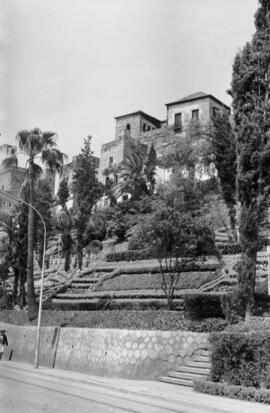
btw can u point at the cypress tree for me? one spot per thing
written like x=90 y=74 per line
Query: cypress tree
x=150 y=168
x=87 y=190
x=250 y=93
x=65 y=222
x=222 y=149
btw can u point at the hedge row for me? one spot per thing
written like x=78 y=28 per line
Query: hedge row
x=241 y=359
x=235 y=392
x=199 y=306
x=136 y=255
x=203 y=305
x=230 y=249
x=126 y=319
x=131 y=255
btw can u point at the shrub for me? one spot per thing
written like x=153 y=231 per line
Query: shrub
x=230 y=249
x=233 y=307
x=262 y=303
x=235 y=392
x=131 y=255
x=240 y=358
x=5 y=302
x=253 y=324
x=136 y=241
x=206 y=326
x=203 y=305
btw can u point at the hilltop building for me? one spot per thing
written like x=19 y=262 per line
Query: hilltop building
x=139 y=128
x=131 y=130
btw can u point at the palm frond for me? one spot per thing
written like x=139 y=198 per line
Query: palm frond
x=53 y=159
x=22 y=139
x=49 y=139
x=35 y=142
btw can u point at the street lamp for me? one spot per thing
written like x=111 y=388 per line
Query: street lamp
x=6 y=195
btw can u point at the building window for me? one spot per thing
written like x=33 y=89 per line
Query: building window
x=195 y=114
x=215 y=112
x=115 y=178
x=128 y=126
x=178 y=122
x=144 y=127
x=111 y=160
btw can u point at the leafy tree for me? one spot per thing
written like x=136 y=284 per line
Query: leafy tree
x=15 y=255
x=20 y=254
x=95 y=229
x=176 y=240
x=43 y=202
x=64 y=220
x=36 y=145
x=150 y=168
x=87 y=190
x=187 y=154
x=63 y=193
x=250 y=92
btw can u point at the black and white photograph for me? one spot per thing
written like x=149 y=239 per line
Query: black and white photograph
x=134 y=206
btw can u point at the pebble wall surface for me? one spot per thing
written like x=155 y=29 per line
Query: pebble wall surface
x=138 y=354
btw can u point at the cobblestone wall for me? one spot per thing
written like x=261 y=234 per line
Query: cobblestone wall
x=126 y=353
x=107 y=352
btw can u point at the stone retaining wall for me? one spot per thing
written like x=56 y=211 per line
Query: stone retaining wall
x=106 y=352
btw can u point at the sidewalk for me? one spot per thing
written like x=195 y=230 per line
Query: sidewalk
x=168 y=393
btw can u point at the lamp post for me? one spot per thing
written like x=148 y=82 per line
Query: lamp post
x=6 y=195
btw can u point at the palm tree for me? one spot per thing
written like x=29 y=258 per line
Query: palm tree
x=35 y=144
x=132 y=178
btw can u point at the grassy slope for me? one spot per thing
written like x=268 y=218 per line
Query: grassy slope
x=124 y=282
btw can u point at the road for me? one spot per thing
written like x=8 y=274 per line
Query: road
x=24 y=389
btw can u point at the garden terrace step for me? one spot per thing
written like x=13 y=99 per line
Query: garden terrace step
x=203 y=371
x=203 y=353
x=198 y=369
x=85 y=281
x=179 y=382
x=81 y=285
x=200 y=364
x=187 y=376
x=124 y=294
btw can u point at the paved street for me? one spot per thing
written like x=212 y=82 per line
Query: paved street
x=26 y=390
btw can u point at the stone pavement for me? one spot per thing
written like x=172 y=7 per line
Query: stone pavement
x=176 y=398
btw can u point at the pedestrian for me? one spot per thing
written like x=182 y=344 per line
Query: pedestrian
x=3 y=342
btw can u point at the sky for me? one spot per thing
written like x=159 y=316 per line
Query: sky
x=71 y=66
